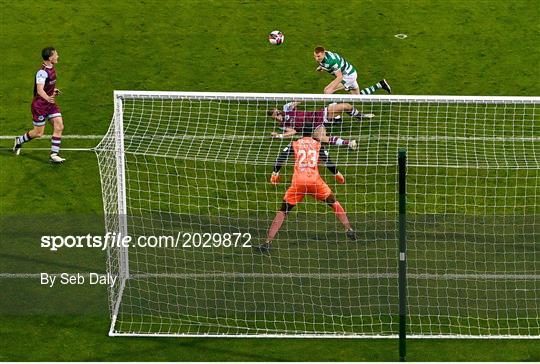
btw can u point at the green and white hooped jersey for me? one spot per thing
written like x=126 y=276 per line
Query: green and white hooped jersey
x=333 y=62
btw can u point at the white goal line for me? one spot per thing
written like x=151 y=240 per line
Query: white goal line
x=418 y=138
x=214 y=275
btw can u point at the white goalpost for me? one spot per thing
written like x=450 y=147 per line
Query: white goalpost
x=186 y=175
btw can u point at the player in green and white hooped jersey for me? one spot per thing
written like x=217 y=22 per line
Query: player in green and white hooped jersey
x=345 y=74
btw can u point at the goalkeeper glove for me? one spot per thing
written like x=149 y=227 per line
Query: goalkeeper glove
x=339 y=177
x=275 y=178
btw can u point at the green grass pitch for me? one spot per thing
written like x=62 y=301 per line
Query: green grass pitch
x=453 y=47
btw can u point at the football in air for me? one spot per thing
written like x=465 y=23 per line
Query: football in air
x=276 y=37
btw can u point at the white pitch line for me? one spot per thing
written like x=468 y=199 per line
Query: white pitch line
x=337 y=275
x=67 y=136
x=63 y=149
x=420 y=138
x=214 y=275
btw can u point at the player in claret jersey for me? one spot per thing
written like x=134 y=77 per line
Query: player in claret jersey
x=292 y=121
x=44 y=106
x=306 y=181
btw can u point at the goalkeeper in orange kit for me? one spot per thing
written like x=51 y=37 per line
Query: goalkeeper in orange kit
x=306 y=181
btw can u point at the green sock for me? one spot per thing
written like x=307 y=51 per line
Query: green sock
x=371 y=89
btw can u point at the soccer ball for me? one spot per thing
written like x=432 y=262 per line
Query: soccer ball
x=276 y=37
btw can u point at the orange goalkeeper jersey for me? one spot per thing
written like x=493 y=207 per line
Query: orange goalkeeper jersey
x=306 y=155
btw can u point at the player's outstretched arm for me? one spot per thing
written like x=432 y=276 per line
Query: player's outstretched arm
x=281 y=159
x=289 y=132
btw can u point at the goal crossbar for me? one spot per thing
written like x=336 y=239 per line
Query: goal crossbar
x=315 y=97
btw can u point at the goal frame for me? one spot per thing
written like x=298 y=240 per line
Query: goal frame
x=123 y=256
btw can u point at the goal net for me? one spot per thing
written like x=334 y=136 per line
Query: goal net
x=194 y=170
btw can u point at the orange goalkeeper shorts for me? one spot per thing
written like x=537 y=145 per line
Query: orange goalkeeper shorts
x=318 y=189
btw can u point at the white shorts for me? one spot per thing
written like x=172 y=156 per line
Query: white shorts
x=349 y=82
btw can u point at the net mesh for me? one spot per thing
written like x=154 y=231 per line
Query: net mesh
x=197 y=168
